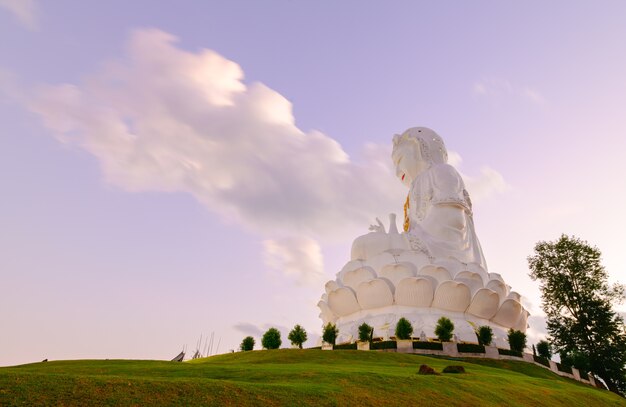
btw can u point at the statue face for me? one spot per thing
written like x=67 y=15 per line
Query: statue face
x=407 y=159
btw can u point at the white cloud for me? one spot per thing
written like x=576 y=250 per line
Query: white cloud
x=297 y=258
x=24 y=11
x=497 y=90
x=169 y=120
x=165 y=119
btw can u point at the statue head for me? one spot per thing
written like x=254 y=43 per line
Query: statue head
x=415 y=151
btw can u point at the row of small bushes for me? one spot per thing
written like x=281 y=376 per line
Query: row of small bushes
x=564 y=368
x=383 y=345
x=427 y=345
x=470 y=348
x=541 y=360
x=509 y=352
x=346 y=346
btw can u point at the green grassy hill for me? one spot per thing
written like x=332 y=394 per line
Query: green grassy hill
x=294 y=377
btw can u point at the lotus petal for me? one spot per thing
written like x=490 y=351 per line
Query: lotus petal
x=508 y=314
x=437 y=272
x=396 y=272
x=375 y=293
x=496 y=276
x=522 y=322
x=351 y=265
x=379 y=261
x=353 y=278
x=473 y=280
x=415 y=292
x=327 y=315
x=515 y=296
x=484 y=304
x=419 y=259
x=476 y=268
x=499 y=287
x=331 y=286
x=452 y=265
x=452 y=296
x=343 y=302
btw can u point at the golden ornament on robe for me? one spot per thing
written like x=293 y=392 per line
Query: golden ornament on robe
x=407 y=222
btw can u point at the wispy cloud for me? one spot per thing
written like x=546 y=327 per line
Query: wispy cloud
x=298 y=258
x=165 y=119
x=26 y=12
x=498 y=90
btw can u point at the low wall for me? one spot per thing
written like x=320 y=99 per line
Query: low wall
x=491 y=352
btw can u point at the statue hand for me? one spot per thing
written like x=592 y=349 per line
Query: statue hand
x=378 y=228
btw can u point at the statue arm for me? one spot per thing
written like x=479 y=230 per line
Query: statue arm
x=447 y=222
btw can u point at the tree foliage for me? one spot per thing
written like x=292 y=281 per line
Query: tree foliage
x=444 y=329
x=578 y=302
x=247 y=343
x=297 y=336
x=330 y=333
x=404 y=329
x=544 y=349
x=365 y=332
x=271 y=339
x=484 y=335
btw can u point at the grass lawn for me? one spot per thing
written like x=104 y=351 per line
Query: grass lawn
x=294 y=377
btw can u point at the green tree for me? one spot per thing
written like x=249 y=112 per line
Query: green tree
x=544 y=349
x=365 y=332
x=247 y=343
x=444 y=329
x=271 y=339
x=330 y=333
x=578 y=302
x=404 y=329
x=297 y=336
x=484 y=335
x=517 y=340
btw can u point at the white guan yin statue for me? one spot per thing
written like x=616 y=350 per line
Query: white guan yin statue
x=435 y=268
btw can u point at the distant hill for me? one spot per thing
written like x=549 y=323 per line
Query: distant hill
x=294 y=377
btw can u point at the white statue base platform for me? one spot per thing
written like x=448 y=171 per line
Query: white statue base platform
x=434 y=268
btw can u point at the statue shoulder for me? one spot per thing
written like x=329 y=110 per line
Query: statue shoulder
x=448 y=186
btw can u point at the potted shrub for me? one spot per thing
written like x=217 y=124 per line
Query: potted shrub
x=404 y=330
x=365 y=336
x=329 y=336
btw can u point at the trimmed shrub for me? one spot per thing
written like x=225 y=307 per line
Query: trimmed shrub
x=404 y=329
x=453 y=369
x=576 y=359
x=428 y=345
x=509 y=352
x=297 y=336
x=542 y=361
x=544 y=349
x=271 y=339
x=365 y=332
x=345 y=346
x=564 y=368
x=330 y=333
x=444 y=329
x=384 y=345
x=247 y=343
x=484 y=335
x=517 y=340
x=470 y=348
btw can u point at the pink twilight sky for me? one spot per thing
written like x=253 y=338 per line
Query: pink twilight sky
x=172 y=169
